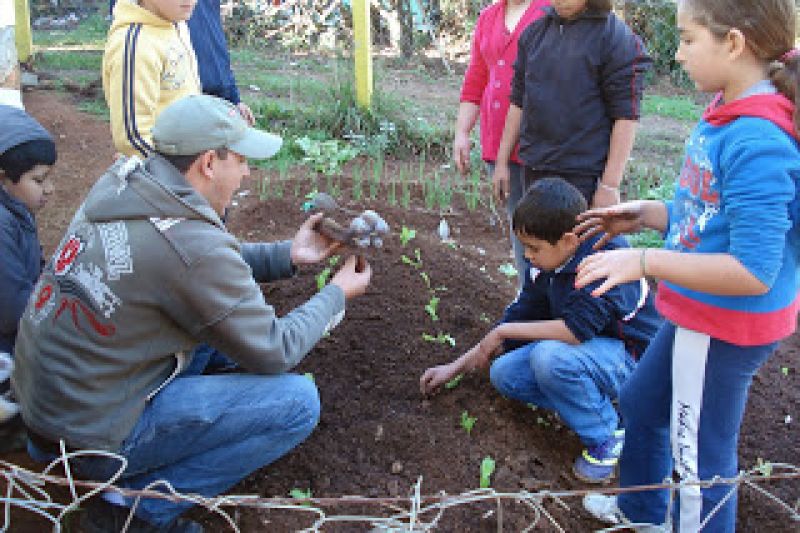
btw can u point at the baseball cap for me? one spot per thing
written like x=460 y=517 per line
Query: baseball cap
x=200 y=122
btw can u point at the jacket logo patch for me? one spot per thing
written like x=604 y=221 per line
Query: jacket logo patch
x=43 y=302
x=114 y=236
x=74 y=305
x=173 y=76
x=67 y=255
x=91 y=279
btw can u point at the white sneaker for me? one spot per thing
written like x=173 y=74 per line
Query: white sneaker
x=604 y=508
x=8 y=410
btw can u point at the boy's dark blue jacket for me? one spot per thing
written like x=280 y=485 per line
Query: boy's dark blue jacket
x=625 y=312
x=573 y=79
x=20 y=265
x=211 y=49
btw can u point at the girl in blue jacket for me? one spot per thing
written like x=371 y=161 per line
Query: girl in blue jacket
x=728 y=271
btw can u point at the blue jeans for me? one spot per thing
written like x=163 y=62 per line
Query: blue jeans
x=714 y=409
x=517 y=186
x=204 y=434
x=576 y=381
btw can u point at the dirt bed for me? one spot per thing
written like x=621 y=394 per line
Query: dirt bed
x=377 y=435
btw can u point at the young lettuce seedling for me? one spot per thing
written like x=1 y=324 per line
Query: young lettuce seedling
x=441 y=338
x=416 y=262
x=300 y=494
x=406 y=235
x=453 y=383
x=467 y=422
x=431 y=306
x=487 y=469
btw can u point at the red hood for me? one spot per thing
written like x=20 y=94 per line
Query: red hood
x=774 y=107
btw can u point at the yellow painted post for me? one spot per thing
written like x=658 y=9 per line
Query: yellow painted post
x=23 y=30
x=363 y=48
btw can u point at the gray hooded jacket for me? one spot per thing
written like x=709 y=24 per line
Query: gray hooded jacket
x=145 y=272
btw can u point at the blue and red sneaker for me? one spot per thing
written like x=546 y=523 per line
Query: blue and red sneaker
x=598 y=464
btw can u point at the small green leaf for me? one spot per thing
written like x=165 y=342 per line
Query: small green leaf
x=426 y=279
x=467 y=422
x=300 y=494
x=449 y=340
x=453 y=383
x=431 y=306
x=764 y=468
x=507 y=269
x=785 y=370
x=309 y=376
x=322 y=278
x=406 y=235
x=487 y=469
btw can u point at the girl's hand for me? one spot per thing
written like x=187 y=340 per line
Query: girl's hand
x=614 y=220
x=614 y=266
x=436 y=376
x=461 y=149
x=500 y=182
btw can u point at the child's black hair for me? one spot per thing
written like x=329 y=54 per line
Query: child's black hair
x=548 y=209
x=21 y=158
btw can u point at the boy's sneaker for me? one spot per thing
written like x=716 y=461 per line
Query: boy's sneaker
x=598 y=463
x=604 y=508
x=104 y=517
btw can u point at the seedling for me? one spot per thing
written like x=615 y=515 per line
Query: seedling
x=764 y=467
x=358 y=184
x=431 y=306
x=508 y=270
x=309 y=376
x=416 y=262
x=487 y=469
x=484 y=318
x=453 y=383
x=468 y=422
x=377 y=172
x=407 y=234
x=300 y=494
x=426 y=278
x=322 y=277
x=441 y=338
x=785 y=370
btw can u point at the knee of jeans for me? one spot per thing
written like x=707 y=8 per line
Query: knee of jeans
x=498 y=374
x=306 y=397
x=549 y=360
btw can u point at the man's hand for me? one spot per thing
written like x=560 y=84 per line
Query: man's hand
x=436 y=376
x=500 y=182
x=246 y=113
x=353 y=278
x=309 y=246
x=461 y=150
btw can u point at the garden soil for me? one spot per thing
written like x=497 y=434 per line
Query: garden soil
x=378 y=437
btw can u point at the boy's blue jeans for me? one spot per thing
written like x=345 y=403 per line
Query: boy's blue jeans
x=576 y=381
x=205 y=433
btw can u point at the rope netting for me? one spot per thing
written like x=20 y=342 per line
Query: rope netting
x=416 y=512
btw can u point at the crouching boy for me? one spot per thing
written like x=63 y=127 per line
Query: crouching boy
x=565 y=350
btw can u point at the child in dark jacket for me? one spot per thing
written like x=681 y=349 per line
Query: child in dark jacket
x=578 y=81
x=27 y=152
x=564 y=349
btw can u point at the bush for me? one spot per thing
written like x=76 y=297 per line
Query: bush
x=655 y=21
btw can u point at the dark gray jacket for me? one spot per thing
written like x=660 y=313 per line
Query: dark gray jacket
x=145 y=272
x=572 y=80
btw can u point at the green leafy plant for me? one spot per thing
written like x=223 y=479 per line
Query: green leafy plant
x=300 y=494
x=453 y=383
x=440 y=338
x=426 y=278
x=785 y=370
x=406 y=235
x=416 y=262
x=487 y=469
x=325 y=274
x=484 y=318
x=431 y=306
x=326 y=156
x=468 y=422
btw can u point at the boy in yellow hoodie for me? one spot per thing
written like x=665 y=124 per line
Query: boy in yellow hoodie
x=148 y=63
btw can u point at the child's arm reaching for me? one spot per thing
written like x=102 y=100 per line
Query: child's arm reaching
x=479 y=355
x=720 y=274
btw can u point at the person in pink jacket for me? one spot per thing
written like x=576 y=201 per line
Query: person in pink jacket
x=486 y=90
